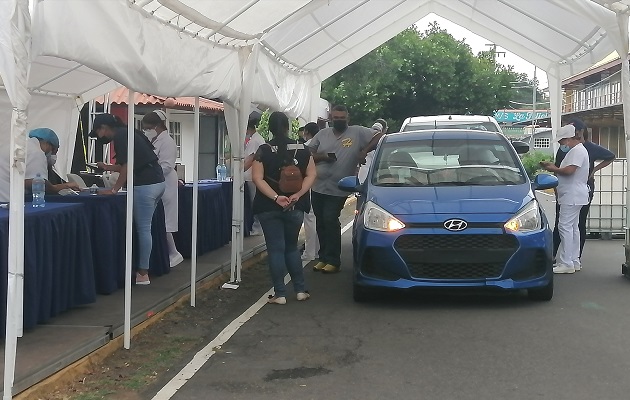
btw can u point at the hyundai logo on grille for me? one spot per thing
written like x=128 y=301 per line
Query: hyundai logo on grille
x=455 y=225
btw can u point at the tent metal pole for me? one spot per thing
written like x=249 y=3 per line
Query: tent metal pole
x=195 y=206
x=129 y=228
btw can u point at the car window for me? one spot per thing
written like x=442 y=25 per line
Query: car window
x=444 y=162
x=478 y=126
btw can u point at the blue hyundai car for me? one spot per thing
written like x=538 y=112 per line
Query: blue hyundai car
x=450 y=209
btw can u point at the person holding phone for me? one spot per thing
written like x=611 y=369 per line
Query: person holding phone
x=281 y=214
x=337 y=151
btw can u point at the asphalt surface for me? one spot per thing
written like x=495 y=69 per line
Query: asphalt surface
x=444 y=346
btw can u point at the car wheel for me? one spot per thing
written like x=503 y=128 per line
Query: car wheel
x=361 y=294
x=544 y=293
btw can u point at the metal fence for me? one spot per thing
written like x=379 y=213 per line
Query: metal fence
x=607 y=214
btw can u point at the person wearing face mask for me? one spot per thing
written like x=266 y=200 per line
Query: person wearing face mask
x=572 y=194
x=41 y=152
x=595 y=153
x=379 y=126
x=154 y=127
x=337 y=151
x=148 y=181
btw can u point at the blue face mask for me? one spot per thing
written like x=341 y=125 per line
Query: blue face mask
x=564 y=148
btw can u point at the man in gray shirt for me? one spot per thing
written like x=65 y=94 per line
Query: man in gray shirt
x=336 y=151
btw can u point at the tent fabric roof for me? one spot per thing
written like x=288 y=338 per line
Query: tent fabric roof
x=139 y=42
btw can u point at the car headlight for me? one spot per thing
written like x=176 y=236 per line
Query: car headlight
x=527 y=219
x=375 y=218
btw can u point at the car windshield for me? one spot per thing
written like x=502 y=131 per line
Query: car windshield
x=468 y=125
x=447 y=162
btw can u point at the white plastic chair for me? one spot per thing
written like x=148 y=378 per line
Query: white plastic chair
x=110 y=179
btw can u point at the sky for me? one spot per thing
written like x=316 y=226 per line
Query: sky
x=478 y=43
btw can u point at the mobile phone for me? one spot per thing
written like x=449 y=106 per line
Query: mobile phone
x=289 y=206
x=333 y=156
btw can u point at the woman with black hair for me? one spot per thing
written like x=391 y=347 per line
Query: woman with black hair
x=148 y=181
x=281 y=214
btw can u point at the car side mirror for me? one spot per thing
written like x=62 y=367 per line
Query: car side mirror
x=349 y=184
x=544 y=181
x=520 y=147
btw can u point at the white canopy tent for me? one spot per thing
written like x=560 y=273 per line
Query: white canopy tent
x=270 y=52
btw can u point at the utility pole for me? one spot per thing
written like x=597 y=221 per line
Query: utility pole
x=493 y=50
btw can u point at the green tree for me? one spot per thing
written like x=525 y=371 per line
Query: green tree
x=416 y=73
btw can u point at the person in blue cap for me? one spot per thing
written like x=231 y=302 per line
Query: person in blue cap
x=41 y=152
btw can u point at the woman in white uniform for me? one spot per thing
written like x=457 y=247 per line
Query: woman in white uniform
x=154 y=126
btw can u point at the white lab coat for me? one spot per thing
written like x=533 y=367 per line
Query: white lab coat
x=35 y=163
x=166 y=150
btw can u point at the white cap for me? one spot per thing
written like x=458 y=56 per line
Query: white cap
x=378 y=126
x=160 y=114
x=565 y=132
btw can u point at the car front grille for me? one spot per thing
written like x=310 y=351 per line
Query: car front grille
x=456 y=256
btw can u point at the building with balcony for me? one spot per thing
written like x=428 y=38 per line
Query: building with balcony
x=595 y=97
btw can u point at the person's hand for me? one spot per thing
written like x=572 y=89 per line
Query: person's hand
x=294 y=198
x=546 y=165
x=72 y=185
x=283 y=201
x=106 y=192
x=101 y=165
x=362 y=156
x=591 y=176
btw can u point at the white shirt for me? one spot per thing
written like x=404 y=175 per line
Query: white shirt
x=35 y=163
x=572 y=189
x=251 y=147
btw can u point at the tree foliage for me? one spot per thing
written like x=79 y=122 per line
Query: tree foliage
x=416 y=74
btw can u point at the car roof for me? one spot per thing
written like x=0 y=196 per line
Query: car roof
x=408 y=136
x=468 y=118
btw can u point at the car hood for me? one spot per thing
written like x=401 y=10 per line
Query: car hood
x=452 y=200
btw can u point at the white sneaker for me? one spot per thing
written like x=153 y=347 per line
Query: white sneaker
x=177 y=259
x=563 y=269
x=302 y=296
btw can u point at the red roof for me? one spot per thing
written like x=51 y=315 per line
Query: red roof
x=120 y=96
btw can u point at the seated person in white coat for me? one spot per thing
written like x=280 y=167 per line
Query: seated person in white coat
x=41 y=151
x=154 y=126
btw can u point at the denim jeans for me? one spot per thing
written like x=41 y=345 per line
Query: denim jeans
x=281 y=231
x=327 y=210
x=145 y=199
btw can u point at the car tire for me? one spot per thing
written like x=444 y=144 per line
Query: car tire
x=361 y=294
x=544 y=293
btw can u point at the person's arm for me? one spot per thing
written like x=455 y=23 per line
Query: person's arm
x=258 y=174
x=50 y=188
x=247 y=163
x=565 y=171
x=108 y=167
x=167 y=155
x=307 y=182
x=601 y=154
x=120 y=182
x=370 y=146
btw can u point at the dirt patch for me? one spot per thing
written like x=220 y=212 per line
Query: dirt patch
x=158 y=352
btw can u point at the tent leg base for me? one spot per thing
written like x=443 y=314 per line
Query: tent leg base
x=230 y=285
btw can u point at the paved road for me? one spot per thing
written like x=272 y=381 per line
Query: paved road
x=434 y=347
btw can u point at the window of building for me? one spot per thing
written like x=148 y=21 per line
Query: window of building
x=175 y=129
x=542 y=143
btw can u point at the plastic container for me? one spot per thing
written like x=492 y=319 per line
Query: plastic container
x=94 y=189
x=221 y=172
x=39 y=191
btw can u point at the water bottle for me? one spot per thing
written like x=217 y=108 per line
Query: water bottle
x=38 y=188
x=221 y=172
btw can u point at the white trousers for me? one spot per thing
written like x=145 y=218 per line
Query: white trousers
x=311 y=242
x=569 y=251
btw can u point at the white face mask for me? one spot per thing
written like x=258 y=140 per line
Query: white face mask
x=52 y=159
x=150 y=133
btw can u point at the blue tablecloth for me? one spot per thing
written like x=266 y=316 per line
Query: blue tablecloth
x=214 y=224
x=107 y=219
x=58 y=270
